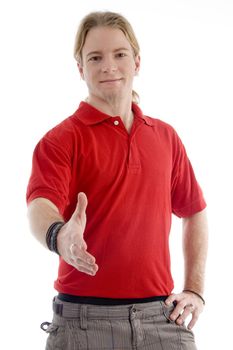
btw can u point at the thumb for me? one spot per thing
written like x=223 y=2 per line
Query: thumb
x=80 y=211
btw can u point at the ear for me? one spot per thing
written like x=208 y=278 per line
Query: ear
x=137 y=64
x=80 y=68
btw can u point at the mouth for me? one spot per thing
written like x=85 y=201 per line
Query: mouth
x=110 y=80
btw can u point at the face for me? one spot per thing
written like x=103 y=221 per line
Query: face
x=108 y=65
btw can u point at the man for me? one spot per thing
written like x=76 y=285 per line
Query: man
x=104 y=184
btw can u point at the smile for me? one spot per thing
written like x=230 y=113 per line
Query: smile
x=110 y=80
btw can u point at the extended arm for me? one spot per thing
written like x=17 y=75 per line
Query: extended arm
x=70 y=242
x=195 y=244
x=41 y=214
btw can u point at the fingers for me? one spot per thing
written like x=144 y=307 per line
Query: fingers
x=186 y=305
x=86 y=270
x=171 y=299
x=82 y=266
x=72 y=245
x=193 y=321
x=79 y=252
x=80 y=210
x=82 y=260
x=184 y=313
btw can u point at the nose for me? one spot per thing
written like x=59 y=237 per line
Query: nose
x=109 y=66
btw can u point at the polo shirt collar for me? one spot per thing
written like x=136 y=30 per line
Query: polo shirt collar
x=89 y=115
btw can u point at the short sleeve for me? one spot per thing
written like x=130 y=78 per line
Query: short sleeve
x=186 y=193
x=51 y=172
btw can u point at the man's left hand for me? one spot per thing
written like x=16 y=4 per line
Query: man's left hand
x=187 y=304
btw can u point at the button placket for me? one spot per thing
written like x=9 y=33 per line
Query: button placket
x=134 y=163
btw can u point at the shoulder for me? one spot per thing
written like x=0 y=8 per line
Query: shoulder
x=161 y=126
x=61 y=139
x=65 y=128
x=166 y=133
x=63 y=135
x=156 y=122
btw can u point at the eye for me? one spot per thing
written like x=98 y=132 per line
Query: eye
x=95 y=58
x=121 y=54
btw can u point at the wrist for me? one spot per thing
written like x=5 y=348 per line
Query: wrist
x=195 y=293
x=51 y=236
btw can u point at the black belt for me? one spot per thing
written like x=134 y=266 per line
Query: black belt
x=107 y=301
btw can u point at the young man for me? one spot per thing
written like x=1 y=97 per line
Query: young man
x=103 y=187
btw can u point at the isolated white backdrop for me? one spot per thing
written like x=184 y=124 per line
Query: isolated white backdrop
x=186 y=79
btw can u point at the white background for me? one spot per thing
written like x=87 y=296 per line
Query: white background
x=186 y=79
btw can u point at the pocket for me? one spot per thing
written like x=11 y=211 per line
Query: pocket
x=167 y=310
x=184 y=331
x=170 y=334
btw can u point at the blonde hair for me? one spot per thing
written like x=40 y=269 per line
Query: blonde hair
x=107 y=19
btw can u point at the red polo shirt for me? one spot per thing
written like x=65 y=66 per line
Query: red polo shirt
x=133 y=183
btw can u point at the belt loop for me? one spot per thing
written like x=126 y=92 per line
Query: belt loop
x=83 y=317
x=57 y=308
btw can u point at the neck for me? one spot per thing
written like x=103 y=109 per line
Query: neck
x=122 y=108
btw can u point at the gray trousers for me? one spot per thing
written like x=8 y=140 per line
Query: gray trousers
x=138 y=326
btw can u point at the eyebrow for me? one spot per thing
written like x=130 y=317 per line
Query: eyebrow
x=99 y=52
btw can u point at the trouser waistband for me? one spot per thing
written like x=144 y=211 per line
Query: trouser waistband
x=74 y=310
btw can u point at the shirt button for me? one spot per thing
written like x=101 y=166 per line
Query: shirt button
x=116 y=122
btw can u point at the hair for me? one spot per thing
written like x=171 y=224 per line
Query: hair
x=105 y=19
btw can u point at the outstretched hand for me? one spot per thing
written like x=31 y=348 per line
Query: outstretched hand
x=70 y=241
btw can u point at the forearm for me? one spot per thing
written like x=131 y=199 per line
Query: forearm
x=195 y=245
x=41 y=214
